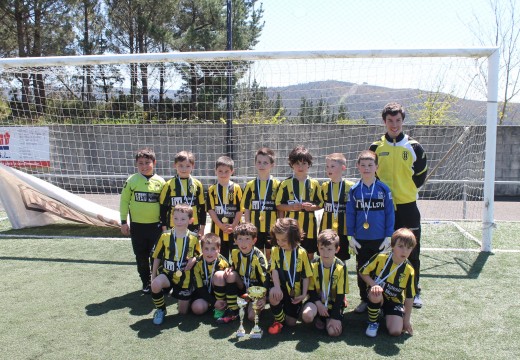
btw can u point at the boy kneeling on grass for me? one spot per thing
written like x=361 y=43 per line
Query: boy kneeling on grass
x=391 y=285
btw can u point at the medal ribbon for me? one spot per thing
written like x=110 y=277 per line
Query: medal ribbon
x=246 y=269
x=335 y=210
x=212 y=272
x=322 y=281
x=184 y=249
x=224 y=206
x=258 y=181
x=300 y=200
x=378 y=280
x=184 y=194
x=292 y=279
x=365 y=211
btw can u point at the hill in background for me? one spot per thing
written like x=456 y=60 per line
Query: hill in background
x=364 y=101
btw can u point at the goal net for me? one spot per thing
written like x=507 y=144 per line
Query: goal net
x=76 y=122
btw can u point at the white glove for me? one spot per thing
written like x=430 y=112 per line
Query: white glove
x=385 y=245
x=353 y=244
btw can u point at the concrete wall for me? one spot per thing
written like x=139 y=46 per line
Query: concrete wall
x=101 y=156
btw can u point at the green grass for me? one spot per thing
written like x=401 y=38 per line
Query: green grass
x=79 y=298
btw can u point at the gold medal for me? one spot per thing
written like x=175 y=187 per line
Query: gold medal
x=178 y=273
x=366 y=225
x=261 y=217
x=335 y=225
x=292 y=293
x=225 y=220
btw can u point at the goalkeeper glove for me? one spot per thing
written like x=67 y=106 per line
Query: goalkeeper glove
x=385 y=245
x=353 y=244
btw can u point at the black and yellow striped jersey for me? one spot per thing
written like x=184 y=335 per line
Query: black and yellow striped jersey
x=334 y=205
x=293 y=191
x=263 y=213
x=320 y=287
x=174 y=254
x=285 y=262
x=183 y=191
x=203 y=271
x=231 y=197
x=252 y=267
x=140 y=199
x=397 y=279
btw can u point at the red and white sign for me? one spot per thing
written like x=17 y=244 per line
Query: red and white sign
x=25 y=146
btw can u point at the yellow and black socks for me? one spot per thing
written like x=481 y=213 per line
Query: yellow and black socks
x=279 y=314
x=158 y=300
x=220 y=292
x=231 y=296
x=373 y=312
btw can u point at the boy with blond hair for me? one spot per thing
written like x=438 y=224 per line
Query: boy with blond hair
x=335 y=197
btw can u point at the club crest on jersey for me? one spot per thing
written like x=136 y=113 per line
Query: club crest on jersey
x=405 y=155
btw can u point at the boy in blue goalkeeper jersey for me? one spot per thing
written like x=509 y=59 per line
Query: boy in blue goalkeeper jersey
x=370 y=217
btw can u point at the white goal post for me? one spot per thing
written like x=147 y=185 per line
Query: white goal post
x=97 y=110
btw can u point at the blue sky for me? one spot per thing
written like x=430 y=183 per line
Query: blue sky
x=342 y=24
x=375 y=24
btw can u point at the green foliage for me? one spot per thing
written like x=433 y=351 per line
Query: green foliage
x=434 y=109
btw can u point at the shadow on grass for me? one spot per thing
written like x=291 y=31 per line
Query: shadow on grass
x=62 y=260
x=138 y=303
x=146 y=329
x=355 y=325
x=67 y=229
x=462 y=266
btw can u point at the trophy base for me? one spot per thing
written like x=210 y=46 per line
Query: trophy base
x=241 y=334
x=256 y=334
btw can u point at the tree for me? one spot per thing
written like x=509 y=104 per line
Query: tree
x=434 y=108
x=41 y=28
x=201 y=26
x=504 y=33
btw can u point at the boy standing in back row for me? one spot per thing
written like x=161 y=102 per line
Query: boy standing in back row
x=258 y=202
x=224 y=199
x=140 y=200
x=183 y=189
x=299 y=196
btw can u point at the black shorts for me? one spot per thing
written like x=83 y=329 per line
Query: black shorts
x=343 y=253
x=263 y=240
x=290 y=309
x=392 y=308
x=181 y=294
x=310 y=245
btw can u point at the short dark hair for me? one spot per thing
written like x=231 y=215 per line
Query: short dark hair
x=393 y=109
x=300 y=153
x=185 y=209
x=406 y=236
x=146 y=153
x=210 y=238
x=367 y=155
x=328 y=237
x=225 y=161
x=289 y=227
x=265 y=151
x=183 y=156
x=246 y=229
